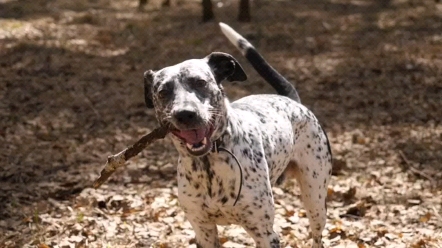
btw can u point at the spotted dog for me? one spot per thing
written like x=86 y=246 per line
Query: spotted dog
x=268 y=138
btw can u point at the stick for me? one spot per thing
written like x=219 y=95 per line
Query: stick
x=415 y=170
x=118 y=160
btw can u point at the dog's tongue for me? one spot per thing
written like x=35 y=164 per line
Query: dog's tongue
x=193 y=136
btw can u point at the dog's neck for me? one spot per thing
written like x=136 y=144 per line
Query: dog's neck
x=225 y=126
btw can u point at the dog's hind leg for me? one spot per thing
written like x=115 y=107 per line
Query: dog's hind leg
x=313 y=198
x=312 y=169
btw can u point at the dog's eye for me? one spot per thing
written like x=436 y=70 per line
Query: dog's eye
x=200 y=83
x=163 y=94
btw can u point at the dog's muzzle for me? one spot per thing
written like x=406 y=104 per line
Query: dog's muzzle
x=197 y=140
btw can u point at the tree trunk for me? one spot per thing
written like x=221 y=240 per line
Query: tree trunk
x=244 y=11
x=165 y=3
x=207 y=10
x=141 y=4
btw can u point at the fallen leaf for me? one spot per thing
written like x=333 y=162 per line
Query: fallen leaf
x=425 y=218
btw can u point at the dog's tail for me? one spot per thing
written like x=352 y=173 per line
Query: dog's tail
x=276 y=80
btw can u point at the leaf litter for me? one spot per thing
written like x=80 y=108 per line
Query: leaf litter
x=72 y=94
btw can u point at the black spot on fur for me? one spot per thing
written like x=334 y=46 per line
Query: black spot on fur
x=245 y=152
x=194 y=167
x=315 y=174
x=188 y=178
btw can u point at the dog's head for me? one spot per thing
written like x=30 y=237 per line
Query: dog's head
x=189 y=98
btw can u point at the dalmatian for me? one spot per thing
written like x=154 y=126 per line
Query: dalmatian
x=266 y=138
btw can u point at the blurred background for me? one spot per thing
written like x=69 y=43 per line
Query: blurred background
x=71 y=94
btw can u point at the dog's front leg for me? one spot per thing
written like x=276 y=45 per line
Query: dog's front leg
x=264 y=236
x=206 y=234
x=192 y=197
x=258 y=216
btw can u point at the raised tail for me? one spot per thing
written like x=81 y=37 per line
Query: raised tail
x=276 y=80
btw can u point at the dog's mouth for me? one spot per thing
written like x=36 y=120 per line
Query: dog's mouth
x=197 y=141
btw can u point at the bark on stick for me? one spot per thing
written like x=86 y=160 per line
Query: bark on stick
x=119 y=159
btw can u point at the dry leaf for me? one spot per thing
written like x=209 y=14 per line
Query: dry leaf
x=425 y=218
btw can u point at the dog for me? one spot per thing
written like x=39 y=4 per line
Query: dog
x=231 y=153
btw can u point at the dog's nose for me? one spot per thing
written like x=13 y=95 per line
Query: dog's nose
x=185 y=116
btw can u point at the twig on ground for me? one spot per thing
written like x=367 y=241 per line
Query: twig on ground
x=118 y=160
x=416 y=170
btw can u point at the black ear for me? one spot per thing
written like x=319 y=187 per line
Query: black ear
x=225 y=66
x=148 y=79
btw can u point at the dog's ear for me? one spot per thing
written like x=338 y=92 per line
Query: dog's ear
x=225 y=66
x=148 y=79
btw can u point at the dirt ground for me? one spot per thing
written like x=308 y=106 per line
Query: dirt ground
x=71 y=94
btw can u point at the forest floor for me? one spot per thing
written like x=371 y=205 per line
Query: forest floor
x=71 y=94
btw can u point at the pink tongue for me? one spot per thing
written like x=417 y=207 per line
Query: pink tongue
x=193 y=136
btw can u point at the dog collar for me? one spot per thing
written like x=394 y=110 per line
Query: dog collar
x=216 y=148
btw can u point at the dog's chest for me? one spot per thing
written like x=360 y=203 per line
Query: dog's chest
x=208 y=187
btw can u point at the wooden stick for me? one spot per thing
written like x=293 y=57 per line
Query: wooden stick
x=416 y=170
x=119 y=159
